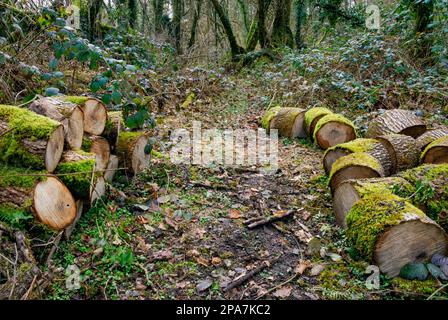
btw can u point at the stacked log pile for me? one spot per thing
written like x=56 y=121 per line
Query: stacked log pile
x=57 y=154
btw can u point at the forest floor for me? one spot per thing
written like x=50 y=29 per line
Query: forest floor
x=177 y=232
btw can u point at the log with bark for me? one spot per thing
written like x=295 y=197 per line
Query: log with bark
x=268 y=116
x=28 y=139
x=370 y=146
x=23 y=191
x=351 y=191
x=332 y=130
x=67 y=113
x=111 y=168
x=429 y=136
x=94 y=111
x=312 y=116
x=396 y=121
x=113 y=127
x=100 y=147
x=77 y=170
x=402 y=149
x=131 y=151
x=357 y=165
x=391 y=232
x=289 y=122
x=436 y=152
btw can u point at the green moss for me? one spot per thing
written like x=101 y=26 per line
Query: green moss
x=357 y=145
x=313 y=113
x=78 y=184
x=432 y=145
x=332 y=118
x=16 y=177
x=126 y=138
x=358 y=158
x=269 y=114
x=413 y=287
x=372 y=215
x=76 y=99
x=390 y=185
x=27 y=125
x=86 y=144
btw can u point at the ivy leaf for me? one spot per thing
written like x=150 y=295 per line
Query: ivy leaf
x=116 y=97
x=47 y=76
x=53 y=64
x=49 y=92
x=436 y=272
x=58 y=75
x=148 y=148
x=2 y=58
x=95 y=85
x=60 y=22
x=413 y=271
x=107 y=98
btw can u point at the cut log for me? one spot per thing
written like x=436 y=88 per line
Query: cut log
x=113 y=127
x=47 y=197
x=111 y=168
x=94 y=111
x=370 y=146
x=28 y=139
x=391 y=232
x=332 y=130
x=100 y=147
x=131 y=151
x=312 y=116
x=357 y=165
x=350 y=191
x=429 y=136
x=430 y=182
x=268 y=116
x=79 y=209
x=67 y=113
x=289 y=122
x=436 y=152
x=402 y=150
x=396 y=121
x=77 y=170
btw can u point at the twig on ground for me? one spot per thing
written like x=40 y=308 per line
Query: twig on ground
x=261 y=221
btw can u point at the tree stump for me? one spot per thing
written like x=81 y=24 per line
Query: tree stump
x=397 y=121
x=436 y=152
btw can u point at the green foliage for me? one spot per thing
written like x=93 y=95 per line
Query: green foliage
x=412 y=271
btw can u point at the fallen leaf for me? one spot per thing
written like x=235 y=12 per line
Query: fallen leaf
x=306 y=215
x=202 y=261
x=234 y=214
x=171 y=223
x=283 y=292
x=141 y=207
x=163 y=255
x=163 y=199
x=204 y=285
x=302 y=266
x=334 y=256
x=316 y=270
x=216 y=261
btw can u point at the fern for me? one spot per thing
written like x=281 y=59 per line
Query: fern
x=14 y=218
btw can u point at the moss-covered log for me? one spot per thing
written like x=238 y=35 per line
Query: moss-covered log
x=436 y=152
x=30 y=140
x=357 y=165
x=332 y=130
x=429 y=136
x=312 y=116
x=23 y=191
x=100 y=147
x=94 y=111
x=268 y=116
x=391 y=232
x=289 y=122
x=396 y=121
x=402 y=149
x=131 y=151
x=67 y=113
x=77 y=170
x=431 y=184
x=350 y=191
x=114 y=125
x=370 y=146
x=111 y=168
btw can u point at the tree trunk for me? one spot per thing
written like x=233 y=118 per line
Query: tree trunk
x=429 y=136
x=28 y=139
x=289 y=122
x=436 y=152
x=300 y=19
x=402 y=150
x=158 y=6
x=31 y=191
x=423 y=11
x=370 y=146
x=133 y=8
x=332 y=130
x=93 y=12
x=281 y=31
x=396 y=121
x=100 y=147
x=131 y=151
x=194 y=24
x=312 y=116
x=95 y=113
x=177 y=17
x=69 y=114
x=392 y=232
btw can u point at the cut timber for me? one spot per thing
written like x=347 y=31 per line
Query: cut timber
x=289 y=122
x=332 y=130
x=100 y=147
x=69 y=230
x=430 y=182
x=429 y=136
x=392 y=232
x=131 y=151
x=77 y=171
x=311 y=118
x=27 y=191
x=69 y=114
x=357 y=165
x=111 y=168
x=350 y=191
x=396 y=121
x=436 y=152
x=402 y=150
x=113 y=127
x=268 y=116
x=95 y=113
x=370 y=146
x=30 y=140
